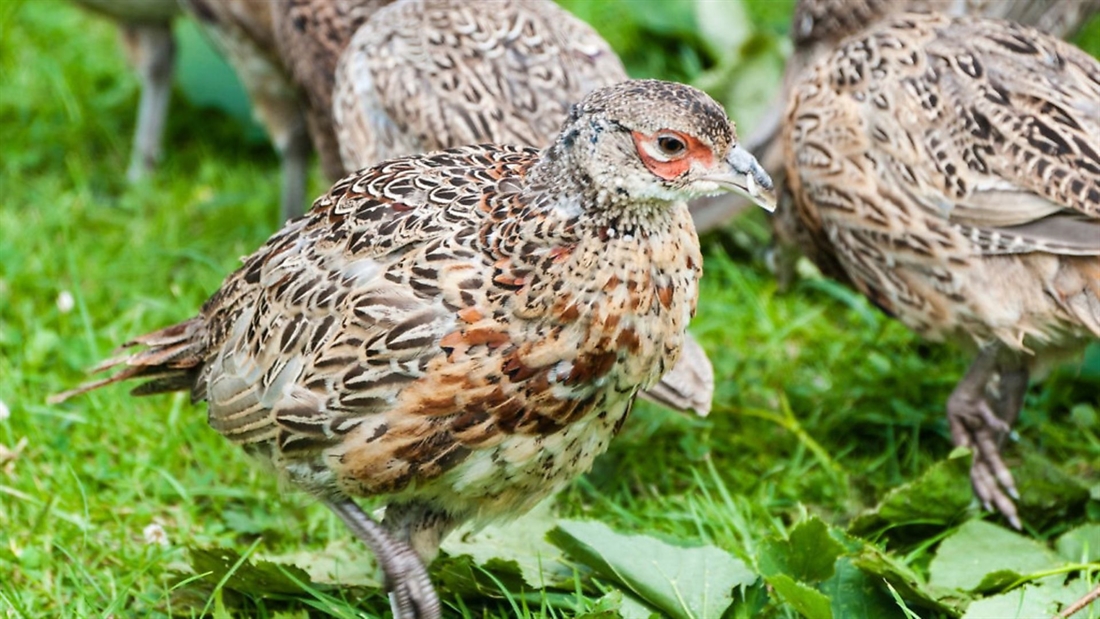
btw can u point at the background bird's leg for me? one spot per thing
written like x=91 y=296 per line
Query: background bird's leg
x=411 y=593
x=975 y=425
x=295 y=164
x=152 y=51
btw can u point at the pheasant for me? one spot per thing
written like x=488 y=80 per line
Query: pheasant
x=950 y=168
x=244 y=32
x=309 y=37
x=421 y=75
x=146 y=27
x=463 y=331
x=817 y=27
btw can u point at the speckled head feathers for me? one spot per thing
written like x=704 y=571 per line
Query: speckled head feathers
x=651 y=105
x=641 y=142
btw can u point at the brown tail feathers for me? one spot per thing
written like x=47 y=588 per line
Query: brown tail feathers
x=169 y=361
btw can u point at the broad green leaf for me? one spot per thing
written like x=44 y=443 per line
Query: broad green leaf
x=208 y=81
x=808 y=555
x=615 y=604
x=940 y=496
x=908 y=583
x=978 y=549
x=522 y=541
x=671 y=17
x=253 y=577
x=344 y=562
x=1048 y=495
x=1081 y=544
x=687 y=583
x=463 y=577
x=1044 y=599
x=724 y=26
x=808 y=601
x=854 y=593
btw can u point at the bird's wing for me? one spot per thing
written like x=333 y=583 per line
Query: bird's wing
x=1031 y=106
x=990 y=124
x=342 y=309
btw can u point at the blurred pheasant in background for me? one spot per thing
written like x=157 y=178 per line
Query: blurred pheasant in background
x=817 y=27
x=310 y=35
x=146 y=28
x=244 y=32
x=950 y=169
x=463 y=331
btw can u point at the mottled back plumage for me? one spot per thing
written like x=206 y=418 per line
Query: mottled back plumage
x=957 y=144
x=427 y=74
x=817 y=27
x=950 y=169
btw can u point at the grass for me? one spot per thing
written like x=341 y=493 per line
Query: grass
x=823 y=404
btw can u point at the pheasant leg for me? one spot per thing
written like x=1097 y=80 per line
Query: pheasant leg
x=975 y=425
x=153 y=53
x=294 y=152
x=411 y=593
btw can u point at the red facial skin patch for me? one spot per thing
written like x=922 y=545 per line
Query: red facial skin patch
x=675 y=165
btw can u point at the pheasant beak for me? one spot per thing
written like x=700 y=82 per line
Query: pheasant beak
x=744 y=174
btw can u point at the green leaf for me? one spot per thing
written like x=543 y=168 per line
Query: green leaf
x=1081 y=544
x=521 y=541
x=257 y=578
x=854 y=593
x=938 y=497
x=908 y=584
x=1049 y=495
x=808 y=601
x=463 y=577
x=1044 y=599
x=344 y=562
x=978 y=549
x=808 y=555
x=615 y=604
x=687 y=583
x=208 y=81
x=724 y=26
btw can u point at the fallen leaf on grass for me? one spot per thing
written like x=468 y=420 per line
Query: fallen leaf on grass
x=939 y=497
x=521 y=541
x=686 y=583
x=1081 y=544
x=808 y=554
x=343 y=562
x=1044 y=599
x=982 y=557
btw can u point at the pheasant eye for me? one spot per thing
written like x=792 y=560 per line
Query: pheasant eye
x=671 y=145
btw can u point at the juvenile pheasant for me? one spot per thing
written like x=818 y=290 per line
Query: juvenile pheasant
x=817 y=27
x=463 y=331
x=950 y=168
x=422 y=75
x=146 y=28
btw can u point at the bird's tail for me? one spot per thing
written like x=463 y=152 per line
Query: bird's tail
x=169 y=361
